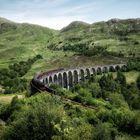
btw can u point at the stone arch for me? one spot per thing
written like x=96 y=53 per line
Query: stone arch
x=50 y=79
x=88 y=73
x=105 y=69
x=60 y=79
x=55 y=79
x=47 y=81
x=70 y=79
x=82 y=75
x=117 y=68
x=43 y=81
x=99 y=70
x=93 y=71
x=75 y=77
x=65 y=80
x=111 y=69
x=124 y=68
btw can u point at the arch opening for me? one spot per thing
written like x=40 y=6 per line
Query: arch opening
x=60 y=80
x=117 y=68
x=50 y=80
x=94 y=71
x=65 y=80
x=55 y=79
x=99 y=70
x=88 y=74
x=82 y=75
x=75 y=77
x=111 y=69
x=47 y=81
x=43 y=81
x=105 y=70
x=70 y=79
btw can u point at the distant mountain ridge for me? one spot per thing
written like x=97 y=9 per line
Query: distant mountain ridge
x=122 y=34
x=74 y=24
x=23 y=39
x=6 y=25
x=80 y=24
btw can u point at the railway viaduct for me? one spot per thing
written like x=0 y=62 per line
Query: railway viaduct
x=66 y=78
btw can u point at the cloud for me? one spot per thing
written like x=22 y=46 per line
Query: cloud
x=59 y=13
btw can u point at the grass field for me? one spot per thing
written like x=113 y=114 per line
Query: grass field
x=7 y=98
x=131 y=76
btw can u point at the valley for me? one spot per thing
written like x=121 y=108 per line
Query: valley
x=105 y=106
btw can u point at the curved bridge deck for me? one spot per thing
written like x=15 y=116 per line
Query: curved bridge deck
x=68 y=77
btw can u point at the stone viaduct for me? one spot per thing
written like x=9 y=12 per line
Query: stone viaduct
x=66 y=78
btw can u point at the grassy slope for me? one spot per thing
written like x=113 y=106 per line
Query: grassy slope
x=7 y=98
x=131 y=76
x=108 y=34
x=23 y=41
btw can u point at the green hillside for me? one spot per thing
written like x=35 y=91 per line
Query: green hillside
x=102 y=107
x=116 y=36
x=21 y=41
x=92 y=44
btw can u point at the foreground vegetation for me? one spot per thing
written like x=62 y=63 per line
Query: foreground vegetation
x=115 y=114
x=11 y=78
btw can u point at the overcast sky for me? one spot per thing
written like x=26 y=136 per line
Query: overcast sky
x=59 y=13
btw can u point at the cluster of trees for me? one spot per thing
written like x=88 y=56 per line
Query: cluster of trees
x=84 y=49
x=104 y=87
x=115 y=116
x=41 y=118
x=11 y=78
x=123 y=28
x=76 y=47
x=134 y=63
x=118 y=101
x=97 y=50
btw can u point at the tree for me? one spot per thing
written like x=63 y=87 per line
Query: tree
x=117 y=100
x=107 y=83
x=95 y=89
x=121 y=79
x=105 y=131
x=36 y=121
x=123 y=118
x=82 y=132
x=138 y=82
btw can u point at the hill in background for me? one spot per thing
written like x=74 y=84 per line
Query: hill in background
x=116 y=35
x=64 y=48
x=104 y=107
x=21 y=41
